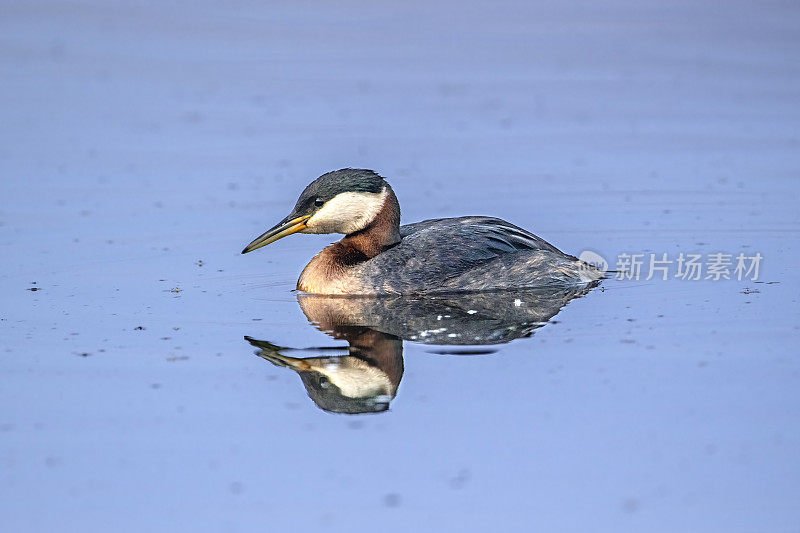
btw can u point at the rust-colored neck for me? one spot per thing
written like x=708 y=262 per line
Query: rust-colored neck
x=382 y=232
x=382 y=350
x=326 y=273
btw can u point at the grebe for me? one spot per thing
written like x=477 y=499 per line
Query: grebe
x=446 y=255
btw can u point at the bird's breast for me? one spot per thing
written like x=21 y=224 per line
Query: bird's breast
x=328 y=273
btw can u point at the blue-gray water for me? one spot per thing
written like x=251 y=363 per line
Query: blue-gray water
x=143 y=145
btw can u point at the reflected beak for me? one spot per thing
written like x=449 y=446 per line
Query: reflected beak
x=278 y=359
x=271 y=353
x=298 y=365
x=282 y=229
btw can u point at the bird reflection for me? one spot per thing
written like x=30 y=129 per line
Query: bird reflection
x=363 y=377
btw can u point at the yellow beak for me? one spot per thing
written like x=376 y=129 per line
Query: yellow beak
x=282 y=229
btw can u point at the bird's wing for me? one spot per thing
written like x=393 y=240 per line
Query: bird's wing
x=487 y=237
x=433 y=251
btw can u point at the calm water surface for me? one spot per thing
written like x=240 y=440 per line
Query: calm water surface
x=144 y=145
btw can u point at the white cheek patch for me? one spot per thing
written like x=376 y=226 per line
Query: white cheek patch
x=346 y=212
x=357 y=379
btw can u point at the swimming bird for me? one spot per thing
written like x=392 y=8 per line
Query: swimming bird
x=447 y=255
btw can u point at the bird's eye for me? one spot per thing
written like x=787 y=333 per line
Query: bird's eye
x=318 y=202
